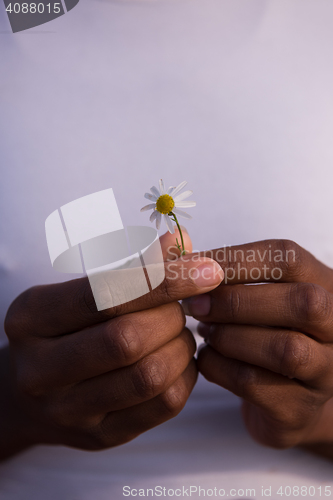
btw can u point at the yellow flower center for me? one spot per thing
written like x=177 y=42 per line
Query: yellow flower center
x=165 y=204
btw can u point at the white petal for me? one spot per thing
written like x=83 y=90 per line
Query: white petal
x=170 y=190
x=169 y=224
x=183 y=195
x=179 y=188
x=153 y=216
x=158 y=220
x=151 y=206
x=155 y=191
x=182 y=214
x=185 y=204
x=151 y=197
x=161 y=186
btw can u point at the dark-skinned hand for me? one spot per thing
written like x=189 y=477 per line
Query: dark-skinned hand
x=92 y=379
x=272 y=344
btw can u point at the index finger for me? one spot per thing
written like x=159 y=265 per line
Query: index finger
x=57 y=309
x=271 y=261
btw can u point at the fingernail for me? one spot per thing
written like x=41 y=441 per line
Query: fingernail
x=183 y=228
x=203 y=329
x=207 y=275
x=197 y=306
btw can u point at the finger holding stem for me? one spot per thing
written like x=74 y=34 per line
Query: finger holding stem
x=181 y=248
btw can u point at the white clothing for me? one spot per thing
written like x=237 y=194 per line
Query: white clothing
x=236 y=98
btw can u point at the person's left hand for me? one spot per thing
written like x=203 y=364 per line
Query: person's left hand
x=272 y=344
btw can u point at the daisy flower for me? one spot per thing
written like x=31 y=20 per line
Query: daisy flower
x=167 y=203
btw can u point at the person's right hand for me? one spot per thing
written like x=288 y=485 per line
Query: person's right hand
x=92 y=379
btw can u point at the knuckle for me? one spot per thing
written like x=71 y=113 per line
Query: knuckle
x=312 y=400
x=295 y=354
x=150 y=377
x=173 y=400
x=313 y=301
x=121 y=340
x=292 y=258
x=84 y=303
x=291 y=422
x=247 y=381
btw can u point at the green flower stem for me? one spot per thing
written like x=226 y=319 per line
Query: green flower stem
x=181 y=248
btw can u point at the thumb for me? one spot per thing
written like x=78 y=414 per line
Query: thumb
x=71 y=305
x=168 y=244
